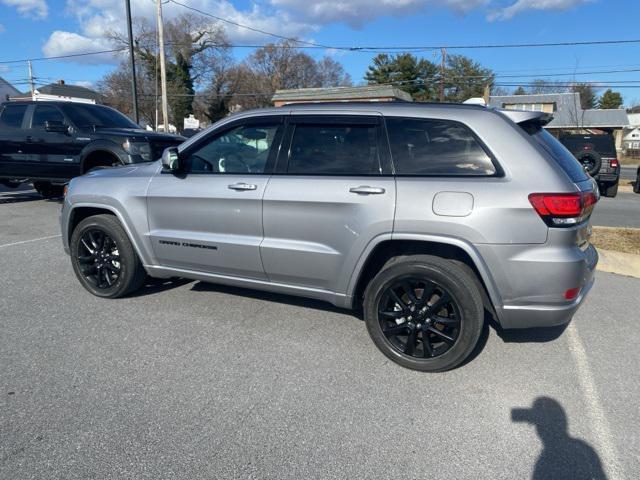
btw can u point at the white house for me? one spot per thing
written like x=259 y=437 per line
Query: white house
x=60 y=91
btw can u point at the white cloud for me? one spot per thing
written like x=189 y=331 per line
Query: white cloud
x=98 y=17
x=83 y=83
x=69 y=43
x=290 y=18
x=29 y=8
x=520 y=6
x=358 y=12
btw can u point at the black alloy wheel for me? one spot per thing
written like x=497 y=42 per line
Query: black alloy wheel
x=419 y=318
x=103 y=257
x=99 y=258
x=424 y=312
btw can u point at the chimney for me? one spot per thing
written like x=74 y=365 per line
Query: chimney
x=60 y=82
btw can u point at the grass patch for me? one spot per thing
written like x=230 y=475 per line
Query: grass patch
x=628 y=160
x=626 y=240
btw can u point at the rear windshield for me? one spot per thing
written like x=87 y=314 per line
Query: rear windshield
x=603 y=144
x=563 y=157
x=87 y=116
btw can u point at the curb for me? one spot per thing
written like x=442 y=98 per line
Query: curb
x=617 y=262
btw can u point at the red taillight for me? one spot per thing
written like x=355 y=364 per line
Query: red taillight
x=614 y=163
x=563 y=209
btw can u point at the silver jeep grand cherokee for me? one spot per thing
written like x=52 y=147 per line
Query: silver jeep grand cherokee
x=423 y=215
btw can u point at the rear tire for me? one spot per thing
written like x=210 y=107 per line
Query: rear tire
x=424 y=312
x=610 y=190
x=103 y=258
x=48 y=190
x=636 y=186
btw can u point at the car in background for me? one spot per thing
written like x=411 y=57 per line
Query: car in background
x=49 y=143
x=597 y=154
x=636 y=186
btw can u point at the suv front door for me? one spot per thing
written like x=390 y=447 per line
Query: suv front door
x=331 y=194
x=13 y=159
x=208 y=217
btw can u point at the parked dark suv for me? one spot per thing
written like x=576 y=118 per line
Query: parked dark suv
x=597 y=154
x=48 y=143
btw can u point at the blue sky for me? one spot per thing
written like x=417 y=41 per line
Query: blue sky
x=37 y=28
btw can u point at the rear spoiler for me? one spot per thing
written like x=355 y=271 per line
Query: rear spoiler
x=523 y=117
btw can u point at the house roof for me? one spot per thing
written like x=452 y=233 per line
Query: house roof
x=568 y=113
x=341 y=93
x=6 y=89
x=64 y=90
x=634 y=119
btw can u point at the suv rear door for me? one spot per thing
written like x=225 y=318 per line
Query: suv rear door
x=208 y=217
x=13 y=159
x=331 y=194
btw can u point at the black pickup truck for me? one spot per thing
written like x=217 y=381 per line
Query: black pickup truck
x=48 y=143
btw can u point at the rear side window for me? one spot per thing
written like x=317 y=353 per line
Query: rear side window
x=342 y=149
x=46 y=113
x=563 y=157
x=436 y=147
x=12 y=115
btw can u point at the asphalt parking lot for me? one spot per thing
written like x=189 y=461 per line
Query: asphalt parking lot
x=192 y=380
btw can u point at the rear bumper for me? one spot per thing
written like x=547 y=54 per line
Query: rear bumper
x=532 y=316
x=607 y=178
x=533 y=282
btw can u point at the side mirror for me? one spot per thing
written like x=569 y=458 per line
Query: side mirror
x=171 y=159
x=55 y=126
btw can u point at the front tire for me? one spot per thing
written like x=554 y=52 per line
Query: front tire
x=103 y=258
x=424 y=312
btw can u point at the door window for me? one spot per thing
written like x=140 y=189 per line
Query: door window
x=243 y=149
x=436 y=147
x=12 y=115
x=342 y=149
x=46 y=113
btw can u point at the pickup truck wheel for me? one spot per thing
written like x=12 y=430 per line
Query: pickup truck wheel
x=103 y=258
x=48 y=190
x=424 y=312
x=610 y=190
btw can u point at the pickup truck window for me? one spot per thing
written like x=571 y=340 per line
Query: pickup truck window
x=88 y=116
x=12 y=115
x=45 y=113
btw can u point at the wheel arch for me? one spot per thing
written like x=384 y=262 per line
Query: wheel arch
x=93 y=152
x=387 y=247
x=81 y=211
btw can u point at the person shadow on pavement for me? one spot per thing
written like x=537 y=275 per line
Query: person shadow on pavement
x=562 y=455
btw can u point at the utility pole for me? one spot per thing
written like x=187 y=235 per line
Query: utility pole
x=443 y=52
x=134 y=89
x=163 y=70
x=31 y=77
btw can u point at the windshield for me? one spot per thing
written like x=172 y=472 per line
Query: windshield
x=563 y=157
x=87 y=116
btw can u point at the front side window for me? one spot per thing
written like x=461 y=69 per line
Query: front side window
x=12 y=115
x=243 y=149
x=436 y=147
x=334 y=150
x=45 y=113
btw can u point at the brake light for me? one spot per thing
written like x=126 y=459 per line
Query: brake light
x=563 y=209
x=614 y=163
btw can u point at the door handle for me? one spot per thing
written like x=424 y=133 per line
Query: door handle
x=367 y=190
x=243 y=186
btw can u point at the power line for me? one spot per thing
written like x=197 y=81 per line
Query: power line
x=57 y=57
x=253 y=29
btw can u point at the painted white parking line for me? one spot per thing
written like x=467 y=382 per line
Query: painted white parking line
x=603 y=439
x=29 y=241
